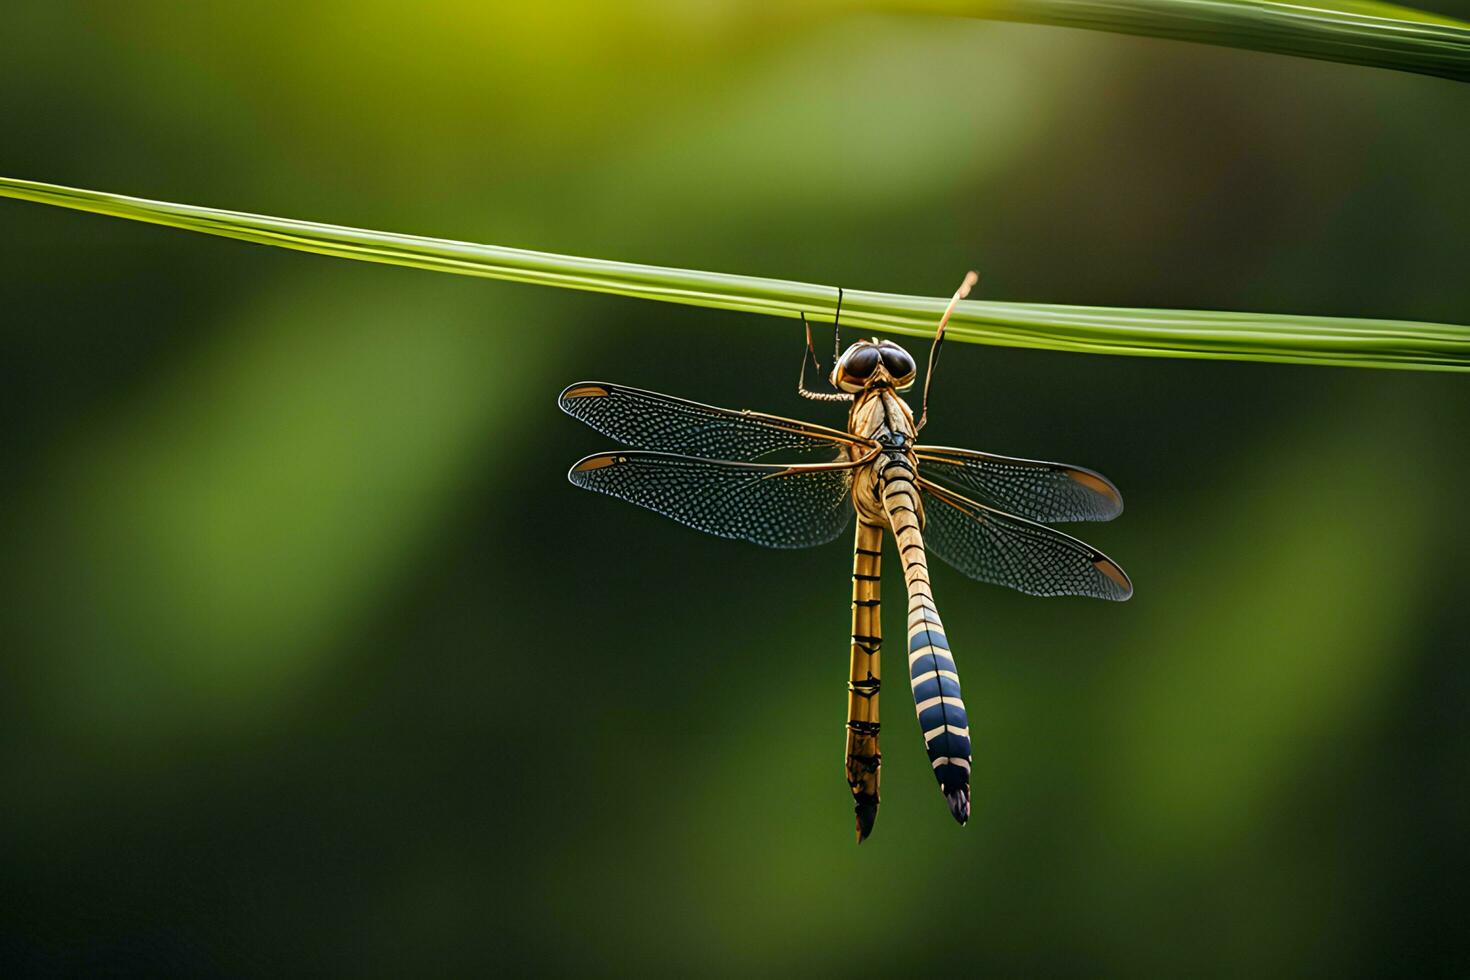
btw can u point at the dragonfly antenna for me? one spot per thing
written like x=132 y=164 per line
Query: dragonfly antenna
x=971 y=278
x=837 y=330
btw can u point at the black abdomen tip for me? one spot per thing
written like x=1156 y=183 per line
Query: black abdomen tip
x=866 y=813
x=959 y=804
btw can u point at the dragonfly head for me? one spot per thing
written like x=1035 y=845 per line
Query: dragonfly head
x=870 y=363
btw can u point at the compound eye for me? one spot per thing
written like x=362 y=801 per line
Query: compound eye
x=861 y=363
x=898 y=362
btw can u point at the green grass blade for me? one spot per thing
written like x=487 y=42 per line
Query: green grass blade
x=1099 y=330
x=1375 y=34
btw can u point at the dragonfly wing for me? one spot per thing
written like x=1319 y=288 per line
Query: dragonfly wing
x=648 y=420
x=1002 y=549
x=1041 y=491
x=772 y=505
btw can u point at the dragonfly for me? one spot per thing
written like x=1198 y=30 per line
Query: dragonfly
x=784 y=483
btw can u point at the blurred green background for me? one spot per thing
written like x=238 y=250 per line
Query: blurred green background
x=313 y=662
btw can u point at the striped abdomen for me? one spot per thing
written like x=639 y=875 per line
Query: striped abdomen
x=863 y=759
x=932 y=673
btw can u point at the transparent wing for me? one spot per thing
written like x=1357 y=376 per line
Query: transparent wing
x=1001 y=549
x=1034 y=489
x=772 y=505
x=648 y=420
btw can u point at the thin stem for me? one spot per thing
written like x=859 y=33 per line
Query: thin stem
x=1098 y=330
x=1358 y=32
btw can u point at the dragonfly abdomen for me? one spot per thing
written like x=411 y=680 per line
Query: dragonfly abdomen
x=863 y=758
x=933 y=675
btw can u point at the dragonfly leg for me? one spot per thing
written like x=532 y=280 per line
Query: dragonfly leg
x=863 y=758
x=811 y=354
